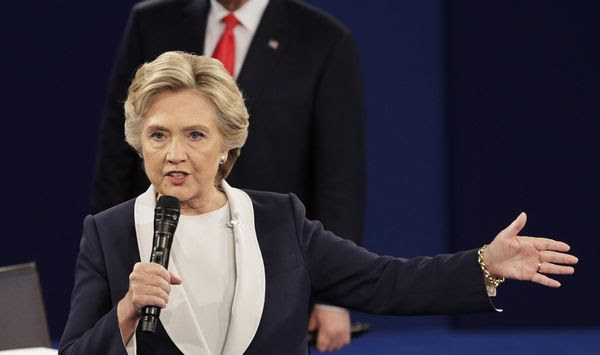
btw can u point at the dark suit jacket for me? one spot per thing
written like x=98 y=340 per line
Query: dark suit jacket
x=304 y=98
x=301 y=261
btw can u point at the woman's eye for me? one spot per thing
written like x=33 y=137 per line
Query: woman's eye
x=158 y=136
x=195 y=135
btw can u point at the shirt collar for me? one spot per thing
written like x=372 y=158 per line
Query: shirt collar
x=249 y=14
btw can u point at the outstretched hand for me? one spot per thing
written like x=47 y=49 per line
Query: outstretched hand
x=527 y=258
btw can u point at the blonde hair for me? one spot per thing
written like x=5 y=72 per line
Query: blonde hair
x=175 y=71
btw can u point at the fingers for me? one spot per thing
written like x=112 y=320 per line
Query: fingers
x=550 y=259
x=548 y=244
x=331 y=341
x=515 y=227
x=150 y=285
x=558 y=258
x=152 y=268
x=549 y=268
x=323 y=342
x=545 y=280
x=141 y=300
x=175 y=280
x=150 y=280
x=518 y=224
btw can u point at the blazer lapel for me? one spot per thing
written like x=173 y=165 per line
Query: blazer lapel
x=249 y=298
x=178 y=317
x=266 y=48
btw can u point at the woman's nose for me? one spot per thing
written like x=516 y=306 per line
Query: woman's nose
x=176 y=152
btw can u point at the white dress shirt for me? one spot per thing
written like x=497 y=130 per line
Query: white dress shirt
x=249 y=16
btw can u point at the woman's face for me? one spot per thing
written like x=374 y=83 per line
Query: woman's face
x=182 y=147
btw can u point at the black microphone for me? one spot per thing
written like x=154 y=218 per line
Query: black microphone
x=166 y=216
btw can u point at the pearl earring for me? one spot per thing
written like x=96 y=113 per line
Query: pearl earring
x=222 y=160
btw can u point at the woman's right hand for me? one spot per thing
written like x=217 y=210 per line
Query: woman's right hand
x=149 y=285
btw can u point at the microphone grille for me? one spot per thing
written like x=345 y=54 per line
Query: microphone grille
x=166 y=201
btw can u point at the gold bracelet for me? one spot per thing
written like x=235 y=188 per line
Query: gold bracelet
x=494 y=281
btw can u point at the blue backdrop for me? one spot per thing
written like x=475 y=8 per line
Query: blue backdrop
x=524 y=118
x=475 y=111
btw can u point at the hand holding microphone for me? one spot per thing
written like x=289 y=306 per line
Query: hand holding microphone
x=150 y=283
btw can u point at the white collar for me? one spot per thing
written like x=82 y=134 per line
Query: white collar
x=249 y=14
x=248 y=301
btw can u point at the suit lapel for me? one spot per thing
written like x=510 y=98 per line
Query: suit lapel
x=249 y=298
x=267 y=46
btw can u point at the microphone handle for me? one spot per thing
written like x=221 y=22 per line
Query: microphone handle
x=160 y=255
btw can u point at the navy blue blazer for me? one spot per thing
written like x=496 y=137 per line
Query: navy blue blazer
x=301 y=261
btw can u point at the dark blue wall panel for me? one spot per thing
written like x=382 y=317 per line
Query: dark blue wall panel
x=402 y=51
x=402 y=55
x=55 y=61
x=525 y=119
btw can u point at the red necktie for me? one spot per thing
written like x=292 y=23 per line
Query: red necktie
x=225 y=49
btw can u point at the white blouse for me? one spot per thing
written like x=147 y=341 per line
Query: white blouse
x=203 y=252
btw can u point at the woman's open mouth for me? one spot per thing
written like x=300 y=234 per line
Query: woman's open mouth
x=177 y=177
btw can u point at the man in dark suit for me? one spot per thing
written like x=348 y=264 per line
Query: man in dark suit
x=300 y=77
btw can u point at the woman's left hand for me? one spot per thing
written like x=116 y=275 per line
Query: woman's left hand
x=527 y=258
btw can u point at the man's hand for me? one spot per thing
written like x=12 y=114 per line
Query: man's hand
x=332 y=325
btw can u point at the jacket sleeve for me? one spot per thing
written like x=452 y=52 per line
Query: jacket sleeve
x=338 y=151
x=92 y=326
x=349 y=276
x=117 y=162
